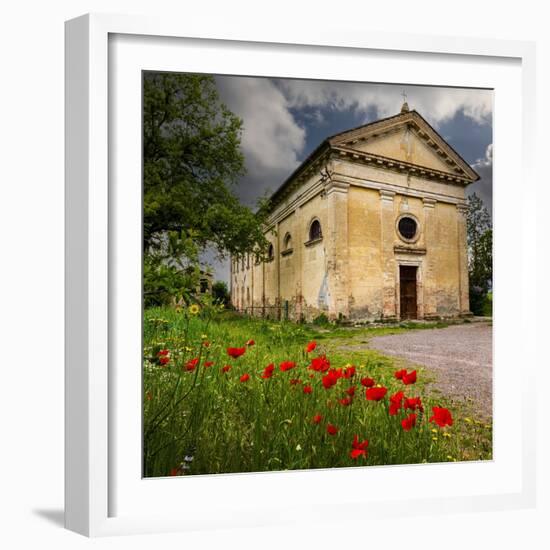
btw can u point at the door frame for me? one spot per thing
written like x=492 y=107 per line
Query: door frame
x=418 y=263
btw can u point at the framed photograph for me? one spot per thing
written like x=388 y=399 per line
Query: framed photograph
x=292 y=275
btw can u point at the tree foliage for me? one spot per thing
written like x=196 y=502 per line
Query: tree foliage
x=480 y=252
x=192 y=160
x=220 y=293
x=171 y=271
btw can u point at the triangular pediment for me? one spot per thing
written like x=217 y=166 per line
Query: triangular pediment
x=409 y=139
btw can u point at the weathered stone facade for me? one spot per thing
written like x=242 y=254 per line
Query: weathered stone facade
x=388 y=200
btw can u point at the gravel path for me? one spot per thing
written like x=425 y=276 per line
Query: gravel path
x=459 y=356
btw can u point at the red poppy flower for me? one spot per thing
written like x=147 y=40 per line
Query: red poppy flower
x=235 y=352
x=320 y=364
x=308 y=389
x=359 y=448
x=346 y=401
x=294 y=381
x=174 y=471
x=208 y=364
x=330 y=379
x=441 y=416
x=226 y=368
x=163 y=352
x=244 y=378
x=351 y=391
x=409 y=378
x=191 y=364
x=164 y=360
x=396 y=401
x=375 y=394
x=413 y=403
x=409 y=422
x=400 y=373
x=349 y=372
x=250 y=343
x=331 y=429
x=287 y=365
x=311 y=346
x=367 y=382
x=268 y=371
x=317 y=419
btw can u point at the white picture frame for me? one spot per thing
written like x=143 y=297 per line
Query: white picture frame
x=104 y=53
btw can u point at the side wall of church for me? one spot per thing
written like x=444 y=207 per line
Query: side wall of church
x=443 y=260
x=295 y=275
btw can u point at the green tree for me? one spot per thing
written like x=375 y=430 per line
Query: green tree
x=220 y=293
x=171 y=270
x=480 y=252
x=192 y=160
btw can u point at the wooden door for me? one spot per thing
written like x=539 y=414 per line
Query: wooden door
x=407 y=284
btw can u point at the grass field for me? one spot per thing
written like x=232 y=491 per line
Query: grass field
x=207 y=412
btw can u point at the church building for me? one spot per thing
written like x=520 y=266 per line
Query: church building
x=370 y=227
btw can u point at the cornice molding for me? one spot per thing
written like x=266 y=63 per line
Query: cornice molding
x=403 y=249
x=386 y=195
x=420 y=126
x=401 y=166
x=400 y=189
x=428 y=202
x=336 y=186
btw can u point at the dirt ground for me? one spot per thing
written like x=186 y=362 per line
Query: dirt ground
x=459 y=356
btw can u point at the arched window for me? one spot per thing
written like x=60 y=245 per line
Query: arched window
x=287 y=244
x=315 y=230
x=270 y=252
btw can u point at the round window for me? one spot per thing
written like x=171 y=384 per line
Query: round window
x=407 y=227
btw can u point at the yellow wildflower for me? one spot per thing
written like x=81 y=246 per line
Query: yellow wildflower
x=194 y=309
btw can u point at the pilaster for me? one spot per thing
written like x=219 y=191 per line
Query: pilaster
x=387 y=233
x=337 y=248
x=463 y=277
x=430 y=290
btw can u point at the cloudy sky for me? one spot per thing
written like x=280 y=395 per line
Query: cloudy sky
x=284 y=120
